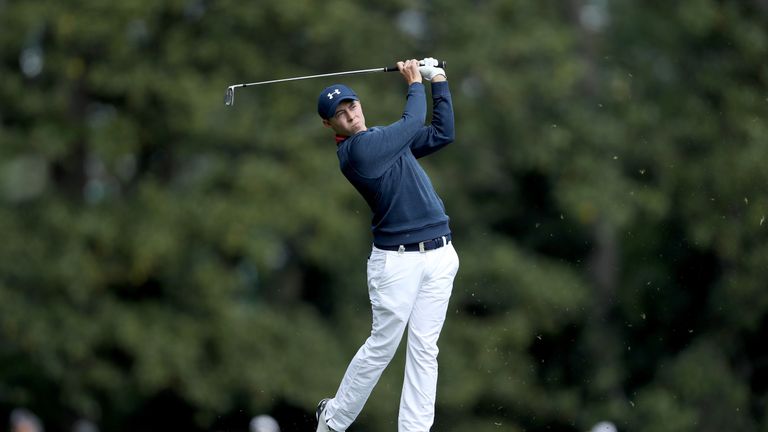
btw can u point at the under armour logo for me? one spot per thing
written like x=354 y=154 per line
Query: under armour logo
x=336 y=91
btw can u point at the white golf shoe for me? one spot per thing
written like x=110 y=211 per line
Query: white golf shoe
x=322 y=426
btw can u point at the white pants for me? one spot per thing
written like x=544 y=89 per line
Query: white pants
x=406 y=289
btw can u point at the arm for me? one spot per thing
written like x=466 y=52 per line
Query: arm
x=374 y=151
x=441 y=131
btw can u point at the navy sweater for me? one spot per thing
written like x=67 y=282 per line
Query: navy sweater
x=381 y=164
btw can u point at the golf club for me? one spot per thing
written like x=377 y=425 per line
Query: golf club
x=229 y=97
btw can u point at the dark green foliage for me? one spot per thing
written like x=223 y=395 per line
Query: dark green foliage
x=167 y=263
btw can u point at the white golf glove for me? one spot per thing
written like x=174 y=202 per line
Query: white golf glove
x=430 y=69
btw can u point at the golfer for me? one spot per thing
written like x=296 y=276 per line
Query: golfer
x=412 y=263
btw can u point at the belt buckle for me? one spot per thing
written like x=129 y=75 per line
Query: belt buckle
x=421 y=247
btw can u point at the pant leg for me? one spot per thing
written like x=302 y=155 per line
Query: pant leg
x=417 y=401
x=393 y=281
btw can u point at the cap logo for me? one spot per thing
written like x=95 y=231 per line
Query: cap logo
x=336 y=91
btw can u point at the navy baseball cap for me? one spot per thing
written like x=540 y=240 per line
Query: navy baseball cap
x=330 y=98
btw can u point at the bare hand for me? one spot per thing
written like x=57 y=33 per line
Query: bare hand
x=409 y=69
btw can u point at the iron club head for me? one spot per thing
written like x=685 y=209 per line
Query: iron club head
x=229 y=96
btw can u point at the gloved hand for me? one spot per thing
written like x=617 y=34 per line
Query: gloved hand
x=430 y=69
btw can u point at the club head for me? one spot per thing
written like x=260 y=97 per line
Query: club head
x=229 y=96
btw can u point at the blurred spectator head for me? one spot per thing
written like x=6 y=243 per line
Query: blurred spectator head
x=604 y=426
x=83 y=425
x=264 y=423
x=23 y=420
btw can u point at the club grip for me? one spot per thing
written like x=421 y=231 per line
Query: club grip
x=440 y=64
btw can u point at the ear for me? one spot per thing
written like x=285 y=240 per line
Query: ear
x=326 y=123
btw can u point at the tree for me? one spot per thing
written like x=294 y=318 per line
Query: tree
x=164 y=254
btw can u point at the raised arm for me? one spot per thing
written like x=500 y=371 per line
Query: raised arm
x=440 y=132
x=375 y=150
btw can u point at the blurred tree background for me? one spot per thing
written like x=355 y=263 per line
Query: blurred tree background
x=167 y=263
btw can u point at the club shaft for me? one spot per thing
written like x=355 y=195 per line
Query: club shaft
x=361 y=71
x=353 y=72
x=229 y=97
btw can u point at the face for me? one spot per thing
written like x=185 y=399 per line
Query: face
x=348 y=118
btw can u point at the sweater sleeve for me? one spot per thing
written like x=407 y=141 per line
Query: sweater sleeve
x=376 y=149
x=440 y=132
